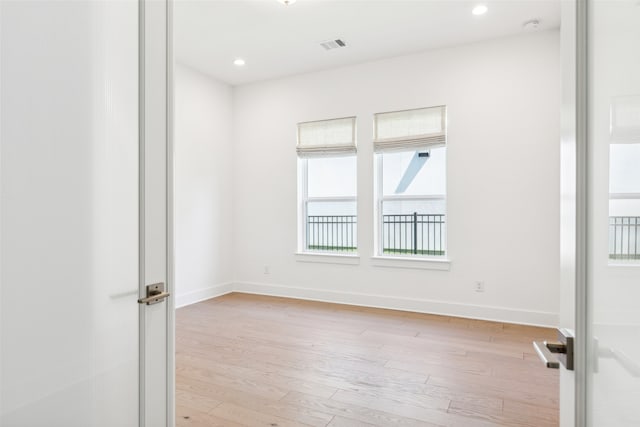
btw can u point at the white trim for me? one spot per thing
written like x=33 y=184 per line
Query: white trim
x=303 y=196
x=624 y=196
x=378 y=195
x=421 y=263
x=631 y=264
x=203 y=294
x=142 y=326
x=327 y=258
x=171 y=303
x=417 y=305
x=583 y=333
x=417 y=198
x=332 y=199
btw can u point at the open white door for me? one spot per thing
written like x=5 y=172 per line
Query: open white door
x=600 y=232
x=84 y=167
x=613 y=212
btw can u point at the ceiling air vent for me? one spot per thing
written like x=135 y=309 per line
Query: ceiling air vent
x=333 y=44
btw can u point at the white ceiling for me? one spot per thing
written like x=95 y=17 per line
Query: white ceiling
x=277 y=40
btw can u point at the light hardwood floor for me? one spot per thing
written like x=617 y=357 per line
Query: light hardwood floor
x=246 y=360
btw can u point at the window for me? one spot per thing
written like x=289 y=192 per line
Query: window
x=624 y=180
x=327 y=172
x=411 y=171
x=624 y=203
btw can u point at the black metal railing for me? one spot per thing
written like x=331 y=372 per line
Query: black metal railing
x=332 y=233
x=624 y=232
x=414 y=234
x=411 y=234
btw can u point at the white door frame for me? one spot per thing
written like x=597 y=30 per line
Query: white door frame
x=573 y=232
x=157 y=354
x=582 y=332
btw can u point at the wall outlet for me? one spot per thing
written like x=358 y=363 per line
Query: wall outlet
x=266 y=269
x=479 y=287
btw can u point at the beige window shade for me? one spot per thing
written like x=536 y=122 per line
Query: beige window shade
x=625 y=120
x=327 y=137
x=410 y=129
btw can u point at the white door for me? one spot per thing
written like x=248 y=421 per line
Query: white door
x=601 y=212
x=613 y=213
x=83 y=214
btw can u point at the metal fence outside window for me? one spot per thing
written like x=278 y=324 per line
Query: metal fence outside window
x=414 y=234
x=410 y=234
x=332 y=233
x=425 y=234
x=623 y=237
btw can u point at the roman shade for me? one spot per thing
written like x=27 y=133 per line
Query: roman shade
x=410 y=129
x=625 y=120
x=327 y=137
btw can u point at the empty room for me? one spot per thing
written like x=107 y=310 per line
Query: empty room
x=326 y=213
x=367 y=212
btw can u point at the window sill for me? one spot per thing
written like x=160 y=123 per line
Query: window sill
x=327 y=258
x=442 y=264
x=618 y=264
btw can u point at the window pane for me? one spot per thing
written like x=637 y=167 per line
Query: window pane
x=624 y=167
x=414 y=227
x=407 y=173
x=413 y=210
x=331 y=226
x=332 y=176
x=624 y=202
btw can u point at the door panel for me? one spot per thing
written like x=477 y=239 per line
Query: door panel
x=80 y=236
x=69 y=173
x=613 y=250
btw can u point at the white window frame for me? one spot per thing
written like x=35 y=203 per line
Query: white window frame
x=303 y=203
x=615 y=261
x=380 y=198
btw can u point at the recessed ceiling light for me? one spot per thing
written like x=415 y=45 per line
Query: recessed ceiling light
x=480 y=9
x=532 y=25
x=239 y=62
x=287 y=2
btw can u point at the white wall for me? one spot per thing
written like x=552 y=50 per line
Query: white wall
x=203 y=190
x=503 y=100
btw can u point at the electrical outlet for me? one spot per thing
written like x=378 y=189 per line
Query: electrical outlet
x=266 y=269
x=479 y=287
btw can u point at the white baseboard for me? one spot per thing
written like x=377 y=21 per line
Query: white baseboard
x=499 y=314
x=203 y=294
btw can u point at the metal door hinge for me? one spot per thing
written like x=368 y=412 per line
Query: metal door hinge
x=155 y=294
x=555 y=353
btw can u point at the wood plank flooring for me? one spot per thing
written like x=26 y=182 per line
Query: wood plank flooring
x=246 y=360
